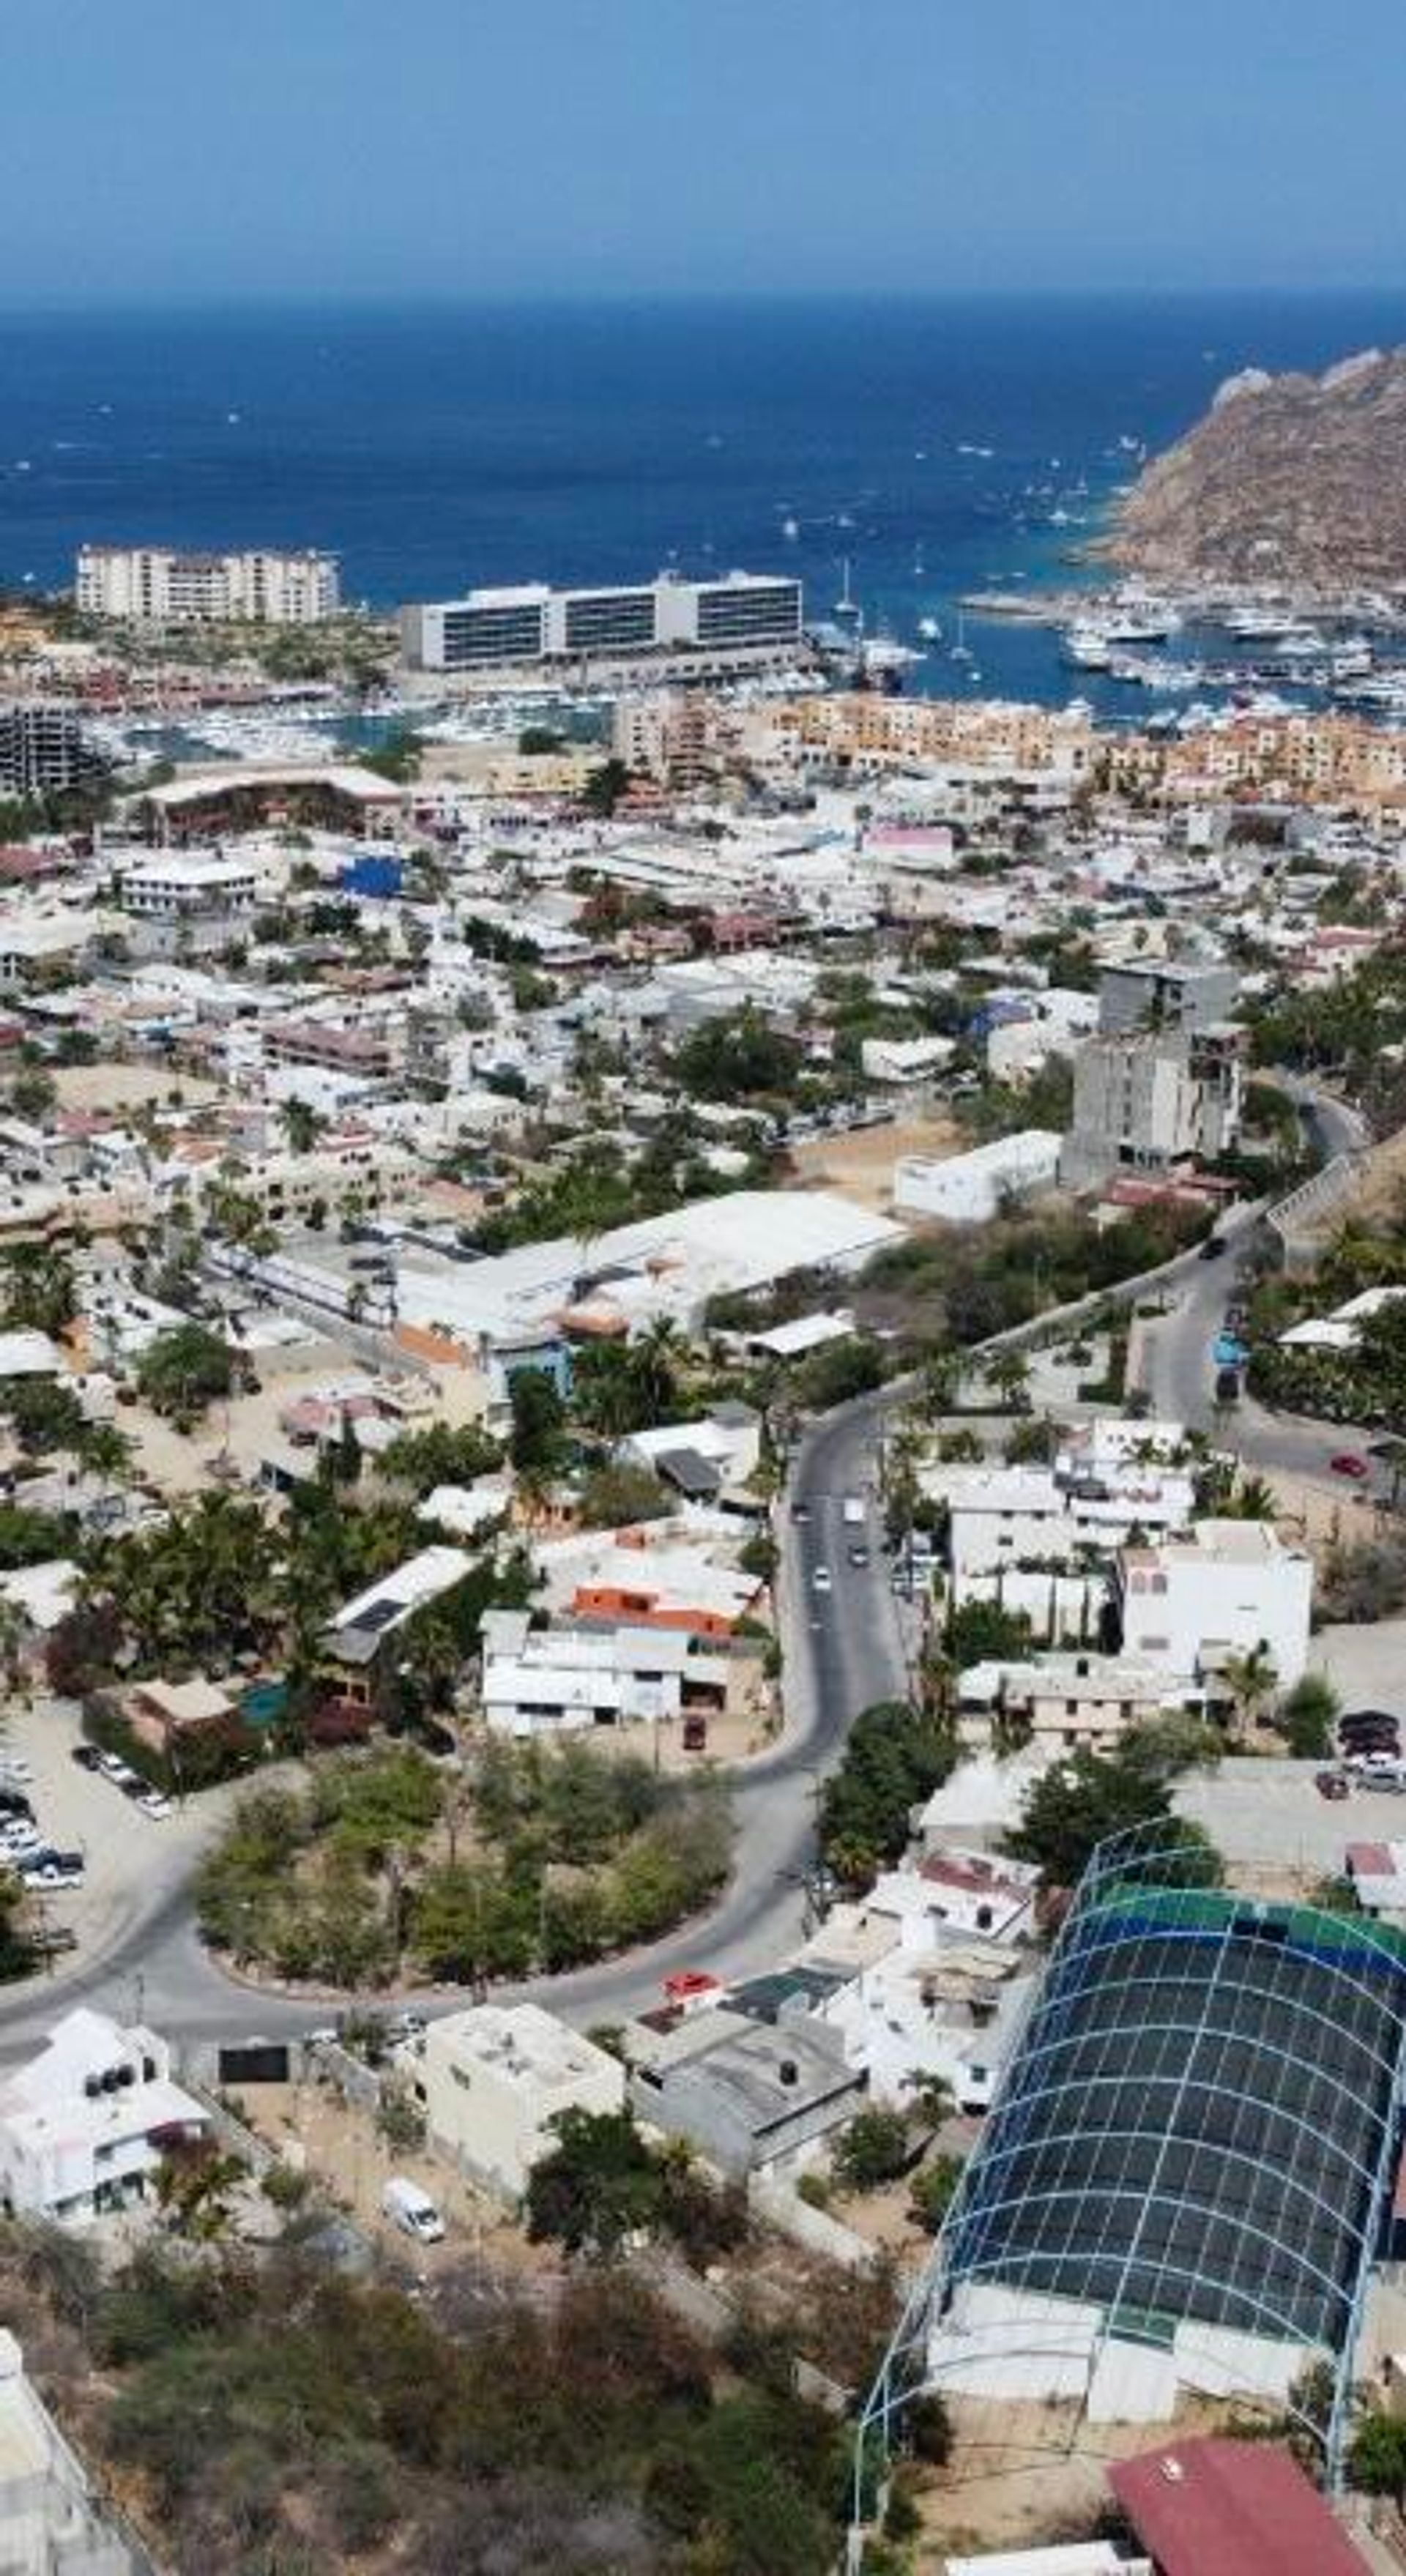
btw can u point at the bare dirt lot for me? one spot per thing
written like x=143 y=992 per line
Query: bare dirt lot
x=129 y=1086
x=1027 y=2474
x=859 y=1163
x=310 y=2126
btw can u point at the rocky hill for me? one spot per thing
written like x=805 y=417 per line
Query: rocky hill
x=1287 y=479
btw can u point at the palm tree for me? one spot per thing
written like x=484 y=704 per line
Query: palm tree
x=942 y=1375
x=1009 y=1373
x=302 y=1124
x=1250 y=1680
x=655 y=1358
x=106 y=1451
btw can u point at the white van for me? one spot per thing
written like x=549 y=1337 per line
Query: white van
x=412 y=2210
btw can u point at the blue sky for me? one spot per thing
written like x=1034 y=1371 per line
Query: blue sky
x=155 y=149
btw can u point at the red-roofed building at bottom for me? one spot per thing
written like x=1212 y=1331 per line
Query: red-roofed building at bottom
x=1217 y=2508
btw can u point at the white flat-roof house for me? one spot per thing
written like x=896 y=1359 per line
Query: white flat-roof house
x=85 y=2125
x=1223 y=1589
x=553 y=1681
x=496 y=2076
x=969 y=1189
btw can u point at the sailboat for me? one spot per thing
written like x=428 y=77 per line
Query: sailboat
x=961 y=650
x=847 y=607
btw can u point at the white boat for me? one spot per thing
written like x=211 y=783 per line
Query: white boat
x=930 y=629
x=1087 y=646
x=881 y=653
x=847 y=606
x=1136 y=619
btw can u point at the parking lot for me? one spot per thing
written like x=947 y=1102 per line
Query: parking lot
x=131 y=1860
x=1267 y=1819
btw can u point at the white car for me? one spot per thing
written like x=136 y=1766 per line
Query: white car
x=13 y=1768
x=155 y=1805
x=50 y=1873
x=820 y=1580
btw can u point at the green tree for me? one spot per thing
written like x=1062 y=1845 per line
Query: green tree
x=44 y=1414
x=33 y=1094
x=537 y=1443
x=613 y=1495
x=604 y=787
x=32 y=1538
x=985 y=1632
x=183 y=1371
x=38 y=1288
x=600 y=2184
x=302 y=1124
x=1009 y=1373
x=1376 y=2458
x=1306 y=1716
x=1081 y=1801
x=1250 y=1680
x=934 y=2189
x=738 y=1057
x=872 y=2150
x=894 y=1758
x=442 y=1454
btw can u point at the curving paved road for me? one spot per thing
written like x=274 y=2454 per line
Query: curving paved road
x=844 y=1650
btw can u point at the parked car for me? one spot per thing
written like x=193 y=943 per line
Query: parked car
x=153 y=1804
x=13 y=1802
x=1366 y=1763
x=1347 y=1463
x=412 y=2210
x=87 y=1757
x=13 y=1767
x=1330 y=1784
x=1372 y=1730
x=135 y=1787
x=113 y=1767
x=43 y=1871
x=1213 y=1247
x=820 y=1580
x=800 y=1511
x=859 y=1556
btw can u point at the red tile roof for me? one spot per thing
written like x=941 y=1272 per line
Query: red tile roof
x=1217 y=2508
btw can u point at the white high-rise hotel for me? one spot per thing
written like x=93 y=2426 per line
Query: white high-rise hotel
x=738 y=614
x=155 y=586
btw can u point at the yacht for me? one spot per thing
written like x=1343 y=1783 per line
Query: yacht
x=1138 y=620
x=847 y=608
x=1087 y=646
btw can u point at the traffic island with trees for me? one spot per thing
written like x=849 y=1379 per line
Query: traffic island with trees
x=388 y=1868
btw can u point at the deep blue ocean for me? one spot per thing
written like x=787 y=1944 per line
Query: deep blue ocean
x=938 y=446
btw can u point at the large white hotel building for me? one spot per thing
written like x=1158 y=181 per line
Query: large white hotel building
x=742 y=614
x=156 y=586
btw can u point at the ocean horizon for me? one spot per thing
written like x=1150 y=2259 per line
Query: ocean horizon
x=934 y=445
